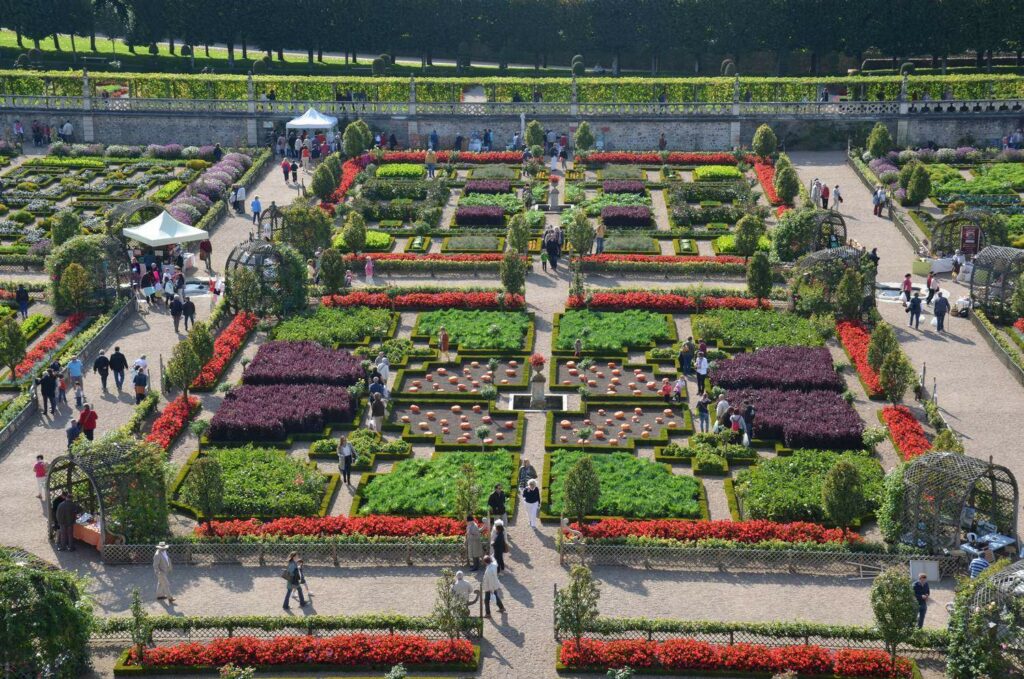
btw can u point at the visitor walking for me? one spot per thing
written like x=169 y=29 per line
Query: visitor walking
x=162 y=568
x=496 y=504
x=701 y=368
x=377 y=411
x=914 y=309
x=48 y=388
x=906 y=288
x=240 y=197
x=206 y=253
x=922 y=592
x=88 y=420
x=815 y=192
x=286 y=166
x=703 y=416
x=474 y=547
x=933 y=287
x=940 y=310
x=491 y=587
x=295 y=172
x=101 y=366
x=431 y=162
x=75 y=370
x=188 y=312
x=66 y=514
x=526 y=472
x=462 y=590
x=383 y=366
x=39 y=469
x=257 y=209
x=293 y=575
x=368 y=270
x=824 y=196
x=878 y=200
x=599 y=233
x=21 y=296
x=749 y=413
x=531 y=498
x=176 y=307
x=140 y=381
x=499 y=545
x=346 y=453
x=118 y=365
x=443 y=341
x=577 y=347
x=686 y=356
x=73 y=431
x=837 y=198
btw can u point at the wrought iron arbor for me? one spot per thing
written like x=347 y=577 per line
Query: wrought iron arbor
x=948 y=494
x=829 y=230
x=997 y=270
x=271 y=221
x=959 y=231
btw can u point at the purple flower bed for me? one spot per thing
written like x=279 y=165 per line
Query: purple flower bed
x=164 y=151
x=488 y=186
x=803 y=419
x=632 y=216
x=802 y=368
x=623 y=186
x=271 y=412
x=190 y=205
x=302 y=363
x=480 y=215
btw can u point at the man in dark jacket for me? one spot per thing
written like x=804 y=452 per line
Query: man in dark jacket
x=102 y=366
x=48 y=388
x=496 y=503
x=21 y=295
x=119 y=364
x=940 y=310
x=188 y=310
x=67 y=512
x=176 y=309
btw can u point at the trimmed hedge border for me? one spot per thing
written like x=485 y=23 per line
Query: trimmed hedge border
x=630 y=446
x=408 y=434
x=482 y=356
x=556 y=328
x=1007 y=355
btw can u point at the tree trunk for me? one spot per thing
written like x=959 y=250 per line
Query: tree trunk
x=988 y=61
x=536 y=61
x=320 y=55
x=74 y=49
x=17 y=35
x=36 y=42
x=309 y=55
x=654 y=65
x=170 y=45
x=92 y=41
x=206 y=49
x=979 y=58
x=245 y=50
x=280 y=54
x=231 y=54
x=131 y=47
x=56 y=42
x=814 y=63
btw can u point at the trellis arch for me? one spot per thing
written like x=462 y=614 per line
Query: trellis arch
x=129 y=208
x=948 y=234
x=949 y=494
x=997 y=270
x=829 y=231
x=1004 y=591
x=271 y=221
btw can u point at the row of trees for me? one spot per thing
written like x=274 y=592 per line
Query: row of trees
x=676 y=32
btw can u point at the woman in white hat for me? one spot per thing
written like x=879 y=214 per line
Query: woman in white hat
x=162 y=568
x=531 y=498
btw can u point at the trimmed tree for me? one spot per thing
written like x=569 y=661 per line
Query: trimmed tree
x=849 y=294
x=748 y=234
x=895 y=609
x=580 y=235
x=450 y=614
x=765 y=142
x=513 y=272
x=518 y=237
x=582 y=489
x=896 y=375
x=75 y=286
x=12 y=343
x=352 y=140
x=66 y=225
x=244 y=292
x=324 y=182
x=204 y=487
x=883 y=342
x=184 y=367
x=782 y=161
x=576 y=604
x=584 y=138
x=365 y=133
x=759 y=276
x=534 y=134
x=353 y=235
x=919 y=186
x=467 y=492
x=842 y=494
x=332 y=271
x=879 y=141
x=787 y=184
x=305 y=227
x=202 y=341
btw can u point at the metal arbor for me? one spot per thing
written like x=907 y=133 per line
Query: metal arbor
x=828 y=266
x=949 y=494
x=829 y=230
x=129 y=208
x=265 y=260
x=1004 y=593
x=271 y=221
x=959 y=231
x=997 y=270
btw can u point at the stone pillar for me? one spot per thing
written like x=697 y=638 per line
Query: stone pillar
x=734 y=124
x=88 y=125
x=537 y=400
x=903 y=125
x=574 y=105
x=251 y=124
x=412 y=95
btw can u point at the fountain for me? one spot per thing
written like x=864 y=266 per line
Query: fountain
x=537 y=400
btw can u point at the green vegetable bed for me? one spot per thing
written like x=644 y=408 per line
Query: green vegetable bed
x=506 y=330
x=755 y=329
x=613 y=330
x=332 y=327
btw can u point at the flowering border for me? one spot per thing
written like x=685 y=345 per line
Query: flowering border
x=227 y=345
x=46 y=347
x=660 y=301
x=369 y=526
x=906 y=432
x=741 y=532
x=725 y=265
x=427 y=301
x=855 y=339
x=172 y=420
x=657 y=158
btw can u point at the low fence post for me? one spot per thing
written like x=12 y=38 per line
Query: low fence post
x=554 y=613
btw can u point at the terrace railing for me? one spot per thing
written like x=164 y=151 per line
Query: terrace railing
x=313 y=554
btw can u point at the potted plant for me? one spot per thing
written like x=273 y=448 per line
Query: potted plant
x=538 y=361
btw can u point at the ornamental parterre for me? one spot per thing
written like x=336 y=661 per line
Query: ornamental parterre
x=369 y=526
x=227 y=344
x=660 y=301
x=273 y=412
x=302 y=363
x=907 y=434
x=421 y=301
x=748 y=532
x=802 y=368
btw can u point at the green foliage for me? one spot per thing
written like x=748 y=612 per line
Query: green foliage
x=578 y=232
x=794 y=233
x=477 y=329
x=75 y=287
x=508 y=202
x=879 y=141
x=402 y=171
x=749 y=231
x=576 y=607
x=790 y=488
x=755 y=329
x=352 y=140
x=48 y=618
x=1017 y=301
x=842 y=494
x=305 y=227
x=467 y=491
x=919 y=186
x=183 y=367
x=584 y=138
x=332 y=271
x=581 y=488
x=513 y=272
x=896 y=376
x=353 y=235
x=244 y=292
x=450 y=614
x=332 y=327
x=12 y=343
x=201 y=340
x=890 y=511
x=290 y=294
x=782 y=161
x=883 y=342
x=765 y=142
x=850 y=294
x=787 y=184
x=629 y=486
x=947 y=441
x=429 y=487
x=895 y=609
x=366 y=135
x=261 y=482
x=611 y=330
x=534 y=134
x=716 y=173
x=324 y=182
x=977 y=645
x=204 y=489
x=66 y=225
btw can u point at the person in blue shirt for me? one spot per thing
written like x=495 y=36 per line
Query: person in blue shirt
x=75 y=370
x=257 y=208
x=980 y=563
x=377 y=387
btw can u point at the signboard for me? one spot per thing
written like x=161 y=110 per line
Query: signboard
x=970 y=239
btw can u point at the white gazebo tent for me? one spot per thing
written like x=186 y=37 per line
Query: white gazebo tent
x=164 y=230
x=313 y=120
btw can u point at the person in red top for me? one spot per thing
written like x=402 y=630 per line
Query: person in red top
x=39 y=469
x=286 y=166
x=87 y=420
x=824 y=196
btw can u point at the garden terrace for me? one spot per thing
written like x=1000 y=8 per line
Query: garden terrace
x=608 y=378
x=802 y=419
x=426 y=487
x=631 y=487
x=607 y=331
x=277 y=412
x=613 y=427
x=470 y=330
x=456 y=426
x=468 y=376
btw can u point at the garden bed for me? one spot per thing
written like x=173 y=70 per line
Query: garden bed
x=277 y=412
x=335 y=327
x=427 y=298
x=616 y=427
x=609 y=378
x=607 y=331
x=463 y=425
x=755 y=329
x=466 y=377
x=280 y=362
x=477 y=330
x=226 y=346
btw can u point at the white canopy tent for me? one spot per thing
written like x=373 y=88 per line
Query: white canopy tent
x=164 y=230
x=313 y=120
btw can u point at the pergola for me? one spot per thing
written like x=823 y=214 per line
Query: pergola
x=959 y=231
x=948 y=494
x=129 y=208
x=829 y=264
x=996 y=271
x=829 y=230
x=271 y=220
x=261 y=257
x=1005 y=591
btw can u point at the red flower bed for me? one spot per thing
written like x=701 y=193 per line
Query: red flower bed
x=737 y=531
x=666 y=302
x=766 y=175
x=674 y=158
x=1019 y=326
x=434 y=257
x=350 y=169
x=692 y=655
x=907 y=433
x=464 y=157
x=48 y=344
x=371 y=526
x=354 y=650
x=855 y=339
x=172 y=420
x=664 y=259
x=225 y=347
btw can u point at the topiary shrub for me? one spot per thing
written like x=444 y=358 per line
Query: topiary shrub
x=879 y=141
x=919 y=187
x=765 y=142
x=378 y=66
